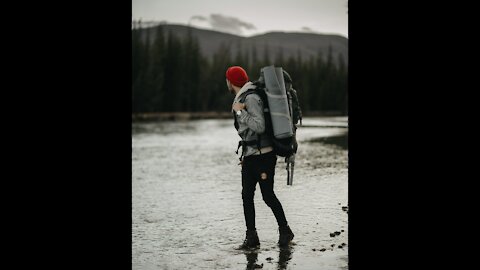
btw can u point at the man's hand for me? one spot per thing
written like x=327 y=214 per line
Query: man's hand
x=238 y=106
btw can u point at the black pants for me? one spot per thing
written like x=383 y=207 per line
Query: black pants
x=252 y=170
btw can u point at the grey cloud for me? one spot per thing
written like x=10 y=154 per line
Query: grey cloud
x=307 y=29
x=198 y=17
x=223 y=23
x=229 y=24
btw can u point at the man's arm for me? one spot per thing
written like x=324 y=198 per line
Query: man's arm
x=254 y=117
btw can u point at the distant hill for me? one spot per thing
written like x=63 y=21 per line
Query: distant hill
x=288 y=43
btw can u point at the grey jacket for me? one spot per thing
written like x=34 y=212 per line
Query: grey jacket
x=252 y=122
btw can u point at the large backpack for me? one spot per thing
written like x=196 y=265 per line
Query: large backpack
x=284 y=147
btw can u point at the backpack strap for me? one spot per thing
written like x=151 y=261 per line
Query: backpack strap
x=248 y=92
x=253 y=142
x=242 y=100
x=245 y=143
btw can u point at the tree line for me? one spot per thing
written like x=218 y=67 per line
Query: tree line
x=170 y=74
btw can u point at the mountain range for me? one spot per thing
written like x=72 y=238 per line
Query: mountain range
x=288 y=44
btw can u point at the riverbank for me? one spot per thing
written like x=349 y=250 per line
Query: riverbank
x=183 y=116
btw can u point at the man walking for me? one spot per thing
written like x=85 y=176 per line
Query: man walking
x=258 y=156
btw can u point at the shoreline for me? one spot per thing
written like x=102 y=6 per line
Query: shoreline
x=183 y=116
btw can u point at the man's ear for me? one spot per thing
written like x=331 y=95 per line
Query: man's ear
x=229 y=85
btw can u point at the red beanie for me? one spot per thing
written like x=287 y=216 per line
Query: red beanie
x=237 y=76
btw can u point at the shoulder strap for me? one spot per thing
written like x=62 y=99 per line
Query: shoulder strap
x=242 y=100
x=261 y=93
x=248 y=92
x=235 y=122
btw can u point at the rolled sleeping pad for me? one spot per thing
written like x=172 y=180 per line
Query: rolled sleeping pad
x=281 y=79
x=278 y=102
x=280 y=74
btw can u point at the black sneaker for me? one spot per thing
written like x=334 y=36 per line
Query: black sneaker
x=251 y=240
x=286 y=235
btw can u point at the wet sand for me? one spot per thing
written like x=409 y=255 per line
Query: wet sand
x=187 y=208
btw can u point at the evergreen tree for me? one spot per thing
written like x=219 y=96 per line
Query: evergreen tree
x=239 y=59
x=266 y=56
x=342 y=85
x=136 y=68
x=256 y=63
x=171 y=84
x=171 y=74
x=156 y=71
x=279 y=61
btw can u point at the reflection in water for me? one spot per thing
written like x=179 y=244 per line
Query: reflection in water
x=252 y=257
x=284 y=256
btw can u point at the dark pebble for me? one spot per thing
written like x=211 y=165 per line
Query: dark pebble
x=342 y=230
x=332 y=235
x=313 y=249
x=269 y=259
x=340 y=246
x=343 y=244
x=332 y=245
x=323 y=249
x=259 y=266
x=344 y=208
x=337 y=233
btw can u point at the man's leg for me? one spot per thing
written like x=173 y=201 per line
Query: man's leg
x=267 y=168
x=248 y=192
x=267 y=173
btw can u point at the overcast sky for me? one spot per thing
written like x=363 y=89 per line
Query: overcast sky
x=249 y=17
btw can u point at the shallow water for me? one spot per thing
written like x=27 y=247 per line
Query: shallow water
x=187 y=206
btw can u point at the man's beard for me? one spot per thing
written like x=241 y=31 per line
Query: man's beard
x=230 y=89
